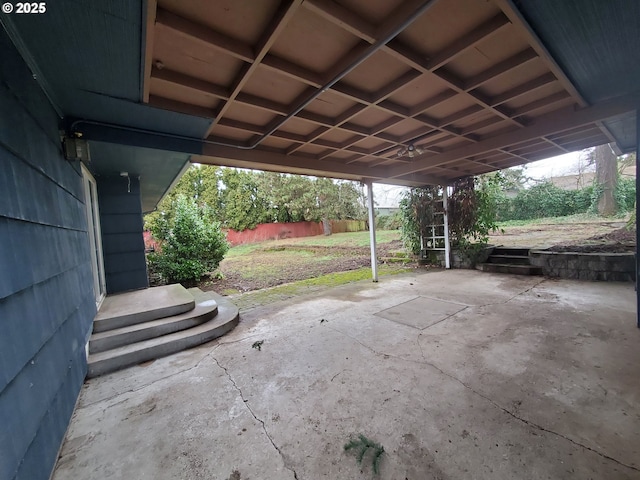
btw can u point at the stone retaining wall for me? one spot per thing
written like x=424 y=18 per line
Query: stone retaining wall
x=612 y=267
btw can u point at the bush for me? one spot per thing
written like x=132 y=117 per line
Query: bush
x=389 y=222
x=625 y=195
x=192 y=244
x=545 y=200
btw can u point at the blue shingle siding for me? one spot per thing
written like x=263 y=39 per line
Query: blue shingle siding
x=122 y=240
x=47 y=302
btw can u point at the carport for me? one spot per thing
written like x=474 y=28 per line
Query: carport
x=390 y=91
x=409 y=93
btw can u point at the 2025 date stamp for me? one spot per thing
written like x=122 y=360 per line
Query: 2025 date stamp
x=24 y=7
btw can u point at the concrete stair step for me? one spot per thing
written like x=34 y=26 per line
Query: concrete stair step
x=204 y=310
x=126 y=309
x=509 y=259
x=128 y=355
x=518 y=251
x=508 y=268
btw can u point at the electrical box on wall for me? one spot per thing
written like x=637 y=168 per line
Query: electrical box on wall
x=76 y=149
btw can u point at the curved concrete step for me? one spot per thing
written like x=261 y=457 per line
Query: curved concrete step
x=204 y=310
x=130 y=308
x=122 y=357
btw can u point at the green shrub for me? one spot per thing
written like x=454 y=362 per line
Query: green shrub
x=192 y=244
x=416 y=213
x=625 y=194
x=389 y=222
x=546 y=200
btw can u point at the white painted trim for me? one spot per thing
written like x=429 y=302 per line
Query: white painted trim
x=447 y=245
x=372 y=230
x=94 y=230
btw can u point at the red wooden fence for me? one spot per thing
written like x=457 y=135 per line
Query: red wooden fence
x=278 y=231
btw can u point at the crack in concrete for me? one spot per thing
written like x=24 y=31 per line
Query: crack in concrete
x=264 y=427
x=527 y=290
x=488 y=399
x=142 y=387
x=524 y=420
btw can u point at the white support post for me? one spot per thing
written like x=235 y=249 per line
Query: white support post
x=372 y=230
x=447 y=247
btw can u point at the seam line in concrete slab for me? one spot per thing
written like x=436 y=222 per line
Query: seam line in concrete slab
x=447 y=301
x=264 y=427
x=492 y=402
x=397 y=305
x=446 y=318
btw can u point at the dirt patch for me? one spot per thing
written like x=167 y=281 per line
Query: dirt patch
x=560 y=231
x=275 y=265
x=621 y=240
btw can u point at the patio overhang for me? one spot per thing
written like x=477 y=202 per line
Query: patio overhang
x=340 y=89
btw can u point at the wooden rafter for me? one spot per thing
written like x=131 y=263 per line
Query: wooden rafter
x=467 y=106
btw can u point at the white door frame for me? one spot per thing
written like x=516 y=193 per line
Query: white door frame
x=95 y=235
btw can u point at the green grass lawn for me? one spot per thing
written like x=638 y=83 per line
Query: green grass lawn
x=349 y=239
x=302 y=263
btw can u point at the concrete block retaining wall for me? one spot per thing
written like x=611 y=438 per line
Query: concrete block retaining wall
x=612 y=267
x=458 y=260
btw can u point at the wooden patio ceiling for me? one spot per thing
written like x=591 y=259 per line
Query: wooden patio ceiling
x=328 y=88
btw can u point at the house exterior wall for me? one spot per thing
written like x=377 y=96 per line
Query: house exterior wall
x=47 y=302
x=120 y=206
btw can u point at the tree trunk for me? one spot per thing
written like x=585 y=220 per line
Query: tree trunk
x=607 y=178
x=326 y=226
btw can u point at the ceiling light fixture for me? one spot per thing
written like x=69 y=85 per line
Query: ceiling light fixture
x=410 y=151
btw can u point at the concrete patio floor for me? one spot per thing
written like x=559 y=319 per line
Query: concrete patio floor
x=458 y=374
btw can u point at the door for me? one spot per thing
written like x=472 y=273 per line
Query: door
x=95 y=235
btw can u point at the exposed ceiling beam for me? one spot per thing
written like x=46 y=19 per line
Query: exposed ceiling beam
x=276 y=26
x=176 y=106
x=545 y=125
x=182 y=80
x=470 y=40
x=344 y=18
x=263 y=159
x=519 y=22
x=501 y=68
x=205 y=36
x=148 y=47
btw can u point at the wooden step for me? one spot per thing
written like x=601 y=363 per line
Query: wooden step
x=126 y=309
x=111 y=360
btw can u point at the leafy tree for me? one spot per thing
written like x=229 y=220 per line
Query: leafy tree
x=199 y=182
x=243 y=204
x=242 y=199
x=417 y=209
x=472 y=212
x=606 y=178
x=295 y=198
x=192 y=244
